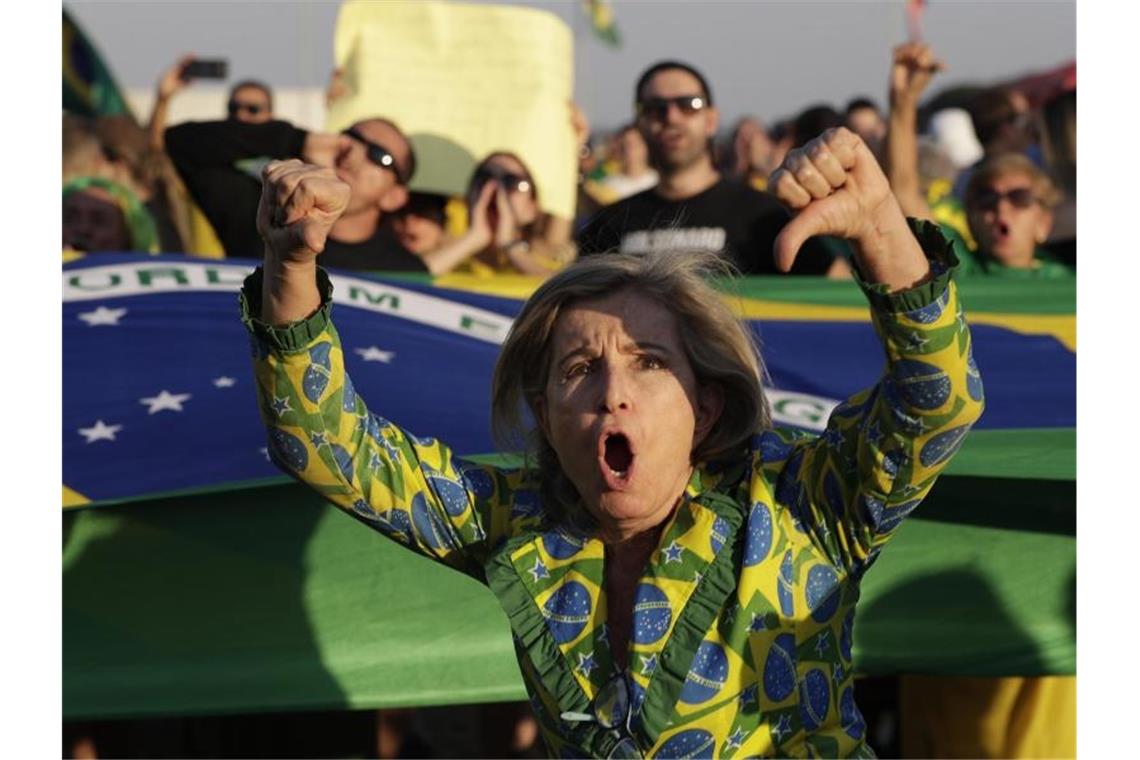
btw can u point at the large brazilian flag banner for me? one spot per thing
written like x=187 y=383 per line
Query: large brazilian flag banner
x=198 y=579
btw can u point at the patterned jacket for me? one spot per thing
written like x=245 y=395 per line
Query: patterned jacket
x=742 y=624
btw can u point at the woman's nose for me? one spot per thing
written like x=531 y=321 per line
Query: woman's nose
x=616 y=390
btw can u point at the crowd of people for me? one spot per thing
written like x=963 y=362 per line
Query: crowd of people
x=995 y=168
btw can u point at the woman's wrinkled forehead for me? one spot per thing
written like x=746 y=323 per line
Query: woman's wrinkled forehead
x=628 y=315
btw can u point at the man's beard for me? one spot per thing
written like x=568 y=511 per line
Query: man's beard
x=667 y=165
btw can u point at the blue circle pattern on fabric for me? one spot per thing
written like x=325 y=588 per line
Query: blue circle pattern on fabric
x=707 y=675
x=780 y=668
x=526 y=503
x=348 y=396
x=567 y=611
x=930 y=313
x=401 y=524
x=822 y=592
x=429 y=526
x=942 y=446
x=288 y=449
x=362 y=508
x=343 y=461
x=784 y=586
x=316 y=377
x=923 y=385
x=652 y=614
x=973 y=378
x=773 y=448
x=850 y=719
x=452 y=495
x=559 y=545
x=758 y=542
x=695 y=743
x=815 y=698
x=846 y=635
x=718 y=534
x=477 y=480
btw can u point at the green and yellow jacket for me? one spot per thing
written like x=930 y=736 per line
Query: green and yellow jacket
x=743 y=619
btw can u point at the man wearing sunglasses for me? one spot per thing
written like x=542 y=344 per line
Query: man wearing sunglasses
x=692 y=207
x=250 y=101
x=221 y=162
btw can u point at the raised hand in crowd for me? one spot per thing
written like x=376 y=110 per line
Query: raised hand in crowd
x=834 y=186
x=299 y=204
x=169 y=84
x=913 y=65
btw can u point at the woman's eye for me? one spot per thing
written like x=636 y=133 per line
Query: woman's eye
x=652 y=362
x=577 y=370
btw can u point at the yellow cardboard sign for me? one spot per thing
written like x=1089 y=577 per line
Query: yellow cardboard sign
x=463 y=81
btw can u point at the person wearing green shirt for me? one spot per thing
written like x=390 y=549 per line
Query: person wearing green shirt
x=1009 y=206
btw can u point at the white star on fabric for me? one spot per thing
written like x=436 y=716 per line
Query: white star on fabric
x=821 y=644
x=281 y=405
x=649 y=664
x=757 y=623
x=837 y=674
x=224 y=382
x=318 y=439
x=165 y=400
x=748 y=696
x=673 y=552
x=604 y=635
x=265 y=452
x=586 y=664
x=539 y=570
x=103 y=316
x=375 y=354
x=735 y=740
x=100 y=431
x=697 y=578
x=784 y=726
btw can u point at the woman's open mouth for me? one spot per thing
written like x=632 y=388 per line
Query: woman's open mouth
x=617 y=460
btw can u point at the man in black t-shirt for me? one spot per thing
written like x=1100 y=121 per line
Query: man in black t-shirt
x=221 y=161
x=692 y=207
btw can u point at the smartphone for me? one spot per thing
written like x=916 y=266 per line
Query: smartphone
x=203 y=68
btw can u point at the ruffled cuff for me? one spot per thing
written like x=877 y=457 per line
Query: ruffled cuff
x=939 y=252
x=296 y=336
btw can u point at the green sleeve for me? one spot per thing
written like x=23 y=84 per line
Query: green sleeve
x=883 y=448
x=321 y=432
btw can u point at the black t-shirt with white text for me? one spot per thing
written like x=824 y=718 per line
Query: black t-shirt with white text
x=730 y=218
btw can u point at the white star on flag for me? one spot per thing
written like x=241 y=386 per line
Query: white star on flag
x=103 y=316
x=223 y=382
x=165 y=400
x=100 y=431
x=375 y=354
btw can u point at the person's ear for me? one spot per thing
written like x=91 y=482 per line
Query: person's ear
x=712 y=122
x=710 y=406
x=393 y=199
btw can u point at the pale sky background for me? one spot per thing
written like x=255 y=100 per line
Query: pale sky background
x=767 y=58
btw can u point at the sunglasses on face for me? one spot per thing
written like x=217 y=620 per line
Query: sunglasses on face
x=512 y=183
x=378 y=155
x=1019 y=197
x=234 y=107
x=657 y=109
